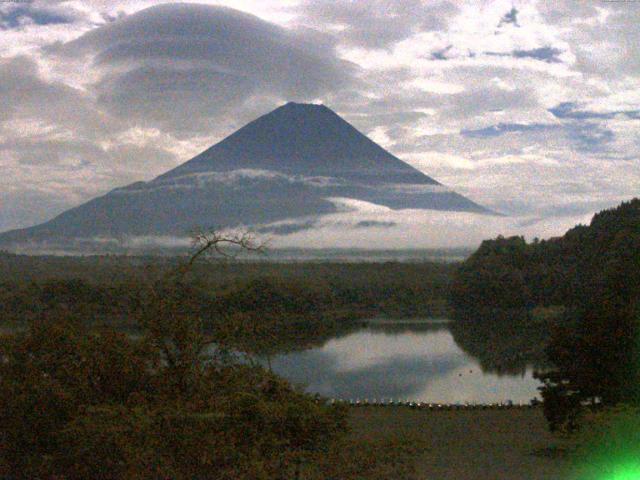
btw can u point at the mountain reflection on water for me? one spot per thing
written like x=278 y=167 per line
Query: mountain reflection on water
x=419 y=361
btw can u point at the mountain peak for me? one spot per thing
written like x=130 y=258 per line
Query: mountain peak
x=299 y=105
x=308 y=110
x=304 y=139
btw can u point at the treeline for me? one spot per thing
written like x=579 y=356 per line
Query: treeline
x=172 y=401
x=110 y=287
x=594 y=272
x=509 y=273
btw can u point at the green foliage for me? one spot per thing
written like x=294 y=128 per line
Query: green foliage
x=119 y=371
x=263 y=308
x=594 y=272
x=596 y=353
x=80 y=403
x=49 y=373
x=102 y=405
x=508 y=273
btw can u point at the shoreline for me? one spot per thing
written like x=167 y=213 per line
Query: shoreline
x=407 y=321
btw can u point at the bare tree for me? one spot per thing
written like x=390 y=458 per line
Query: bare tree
x=170 y=313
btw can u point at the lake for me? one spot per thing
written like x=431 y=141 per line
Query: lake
x=407 y=360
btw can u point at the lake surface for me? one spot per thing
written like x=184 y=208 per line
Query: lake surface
x=416 y=361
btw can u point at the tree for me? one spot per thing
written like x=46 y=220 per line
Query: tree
x=593 y=273
x=77 y=403
x=596 y=353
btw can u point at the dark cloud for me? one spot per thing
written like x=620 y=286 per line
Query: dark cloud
x=441 y=54
x=502 y=128
x=584 y=136
x=378 y=23
x=287 y=228
x=18 y=14
x=573 y=111
x=26 y=96
x=544 y=54
x=178 y=66
x=590 y=137
x=375 y=223
x=511 y=17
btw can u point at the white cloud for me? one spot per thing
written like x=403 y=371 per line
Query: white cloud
x=133 y=101
x=375 y=348
x=398 y=229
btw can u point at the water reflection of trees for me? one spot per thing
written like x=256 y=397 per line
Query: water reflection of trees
x=400 y=327
x=503 y=342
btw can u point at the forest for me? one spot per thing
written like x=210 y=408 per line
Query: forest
x=127 y=368
x=591 y=278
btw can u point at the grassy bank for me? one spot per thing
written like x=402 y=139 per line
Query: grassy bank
x=468 y=445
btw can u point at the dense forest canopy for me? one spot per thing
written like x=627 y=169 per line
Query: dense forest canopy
x=594 y=272
x=266 y=307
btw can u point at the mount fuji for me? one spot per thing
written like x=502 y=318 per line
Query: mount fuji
x=296 y=163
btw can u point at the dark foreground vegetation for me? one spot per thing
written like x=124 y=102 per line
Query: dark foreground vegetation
x=591 y=276
x=80 y=399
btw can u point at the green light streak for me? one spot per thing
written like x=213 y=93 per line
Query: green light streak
x=625 y=472
x=609 y=447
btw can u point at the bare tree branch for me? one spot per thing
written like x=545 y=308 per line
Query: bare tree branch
x=206 y=241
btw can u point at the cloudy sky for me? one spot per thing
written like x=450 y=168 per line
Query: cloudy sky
x=531 y=108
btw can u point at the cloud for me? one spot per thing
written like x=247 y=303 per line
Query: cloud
x=441 y=54
x=25 y=93
x=374 y=223
x=19 y=14
x=573 y=111
x=544 y=54
x=584 y=136
x=181 y=66
x=502 y=128
x=234 y=178
x=511 y=17
x=604 y=38
x=377 y=23
x=419 y=229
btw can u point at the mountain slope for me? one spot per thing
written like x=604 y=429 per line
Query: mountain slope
x=303 y=139
x=300 y=160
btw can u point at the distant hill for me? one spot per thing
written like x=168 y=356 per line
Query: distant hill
x=509 y=273
x=298 y=161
